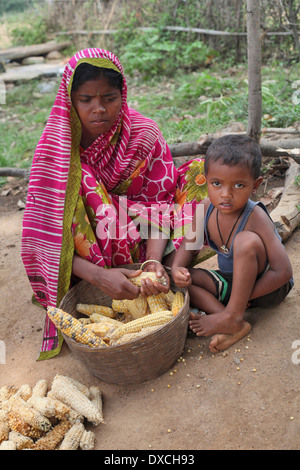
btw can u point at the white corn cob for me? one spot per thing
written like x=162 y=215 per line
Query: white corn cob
x=72 y=416
x=137 y=307
x=72 y=438
x=83 y=388
x=152 y=319
x=24 y=392
x=3 y=416
x=71 y=396
x=97 y=400
x=157 y=303
x=90 y=309
x=178 y=303
x=84 y=321
x=71 y=327
x=98 y=318
x=50 y=408
x=22 y=442
x=137 y=280
x=19 y=425
x=8 y=445
x=6 y=392
x=133 y=336
x=53 y=437
x=169 y=296
x=4 y=432
x=87 y=441
x=27 y=413
x=40 y=389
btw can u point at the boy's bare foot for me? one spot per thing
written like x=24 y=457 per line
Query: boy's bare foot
x=220 y=342
x=221 y=322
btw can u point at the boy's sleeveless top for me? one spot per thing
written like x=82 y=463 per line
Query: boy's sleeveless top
x=225 y=261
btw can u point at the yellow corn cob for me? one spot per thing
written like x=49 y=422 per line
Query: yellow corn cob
x=169 y=298
x=119 y=306
x=72 y=437
x=101 y=329
x=53 y=437
x=71 y=396
x=8 y=445
x=84 y=321
x=152 y=319
x=133 y=336
x=22 y=442
x=137 y=280
x=90 y=309
x=27 y=413
x=87 y=441
x=97 y=400
x=18 y=424
x=4 y=432
x=73 y=328
x=178 y=303
x=138 y=307
x=40 y=389
x=157 y=303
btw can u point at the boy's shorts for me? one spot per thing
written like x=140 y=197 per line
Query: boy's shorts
x=223 y=283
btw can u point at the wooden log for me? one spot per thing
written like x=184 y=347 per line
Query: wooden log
x=19 y=53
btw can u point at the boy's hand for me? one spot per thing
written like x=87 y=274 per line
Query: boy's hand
x=181 y=277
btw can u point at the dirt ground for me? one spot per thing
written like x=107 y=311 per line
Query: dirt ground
x=246 y=398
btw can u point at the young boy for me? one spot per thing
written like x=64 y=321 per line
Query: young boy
x=254 y=269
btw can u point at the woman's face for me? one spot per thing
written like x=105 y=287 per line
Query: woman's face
x=98 y=105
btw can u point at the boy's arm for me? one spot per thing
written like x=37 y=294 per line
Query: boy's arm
x=280 y=269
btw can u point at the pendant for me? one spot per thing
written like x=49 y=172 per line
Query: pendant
x=225 y=249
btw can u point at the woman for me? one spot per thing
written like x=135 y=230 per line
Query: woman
x=103 y=191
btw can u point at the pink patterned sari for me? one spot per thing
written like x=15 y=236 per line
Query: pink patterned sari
x=88 y=201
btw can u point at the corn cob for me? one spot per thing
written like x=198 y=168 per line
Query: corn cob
x=3 y=416
x=178 y=302
x=101 y=329
x=50 y=408
x=157 y=303
x=18 y=424
x=4 y=432
x=40 y=389
x=138 y=307
x=8 y=445
x=119 y=306
x=97 y=400
x=72 y=438
x=87 y=441
x=72 y=416
x=133 y=336
x=73 y=328
x=22 y=442
x=98 y=318
x=6 y=392
x=90 y=309
x=137 y=280
x=53 y=437
x=84 y=321
x=169 y=296
x=71 y=396
x=152 y=319
x=83 y=388
x=24 y=392
x=28 y=413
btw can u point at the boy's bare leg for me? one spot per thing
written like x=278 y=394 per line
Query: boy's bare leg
x=249 y=260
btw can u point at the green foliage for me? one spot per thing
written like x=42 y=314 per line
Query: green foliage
x=10 y=6
x=35 y=33
x=151 y=53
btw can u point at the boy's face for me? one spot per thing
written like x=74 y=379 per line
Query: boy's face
x=229 y=187
x=98 y=105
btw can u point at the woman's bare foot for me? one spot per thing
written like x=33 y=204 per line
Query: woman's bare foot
x=219 y=342
x=215 y=323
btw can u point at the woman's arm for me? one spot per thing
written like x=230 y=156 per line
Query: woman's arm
x=114 y=282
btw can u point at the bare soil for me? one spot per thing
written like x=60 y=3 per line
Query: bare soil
x=245 y=398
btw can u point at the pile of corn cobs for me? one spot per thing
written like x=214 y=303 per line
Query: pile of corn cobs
x=39 y=418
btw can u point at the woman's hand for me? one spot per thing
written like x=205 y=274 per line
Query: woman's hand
x=154 y=288
x=181 y=276
x=115 y=283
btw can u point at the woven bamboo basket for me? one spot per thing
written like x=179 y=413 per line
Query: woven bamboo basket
x=135 y=361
